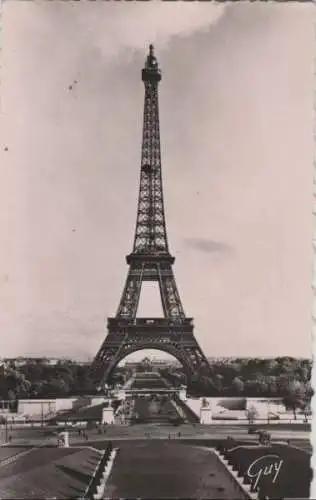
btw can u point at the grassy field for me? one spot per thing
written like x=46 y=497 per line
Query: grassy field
x=160 y=469
x=48 y=473
x=142 y=465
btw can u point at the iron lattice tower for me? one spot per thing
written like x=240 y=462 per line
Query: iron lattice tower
x=150 y=260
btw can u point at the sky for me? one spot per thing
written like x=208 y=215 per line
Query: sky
x=236 y=109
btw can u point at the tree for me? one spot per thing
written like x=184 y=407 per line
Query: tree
x=271 y=366
x=249 y=377
x=272 y=385
x=261 y=384
x=252 y=414
x=11 y=395
x=295 y=397
x=303 y=372
x=306 y=400
x=306 y=409
x=37 y=388
x=218 y=382
x=57 y=387
x=251 y=388
x=238 y=385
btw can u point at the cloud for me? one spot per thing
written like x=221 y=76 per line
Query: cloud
x=136 y=24
x=208 y=246
x=112 y=27
x=70 y=153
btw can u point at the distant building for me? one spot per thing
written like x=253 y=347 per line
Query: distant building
x=150 y=364
x=131 y=365
x=23 y=360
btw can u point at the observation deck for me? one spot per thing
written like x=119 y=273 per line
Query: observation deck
x=157 y=326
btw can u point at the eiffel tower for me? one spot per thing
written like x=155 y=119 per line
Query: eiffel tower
x=150 y=260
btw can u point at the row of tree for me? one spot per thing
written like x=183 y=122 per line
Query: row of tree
x=41 y=380
x=234 y=377
x=253 y=377
x=288 y=378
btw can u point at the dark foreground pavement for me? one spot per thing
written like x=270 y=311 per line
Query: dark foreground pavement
x=168 y=469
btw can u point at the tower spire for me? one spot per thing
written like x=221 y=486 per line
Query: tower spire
x=151 y=71
x=150 y=233
x=151 y=59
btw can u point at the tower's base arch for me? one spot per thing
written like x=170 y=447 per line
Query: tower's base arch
x=175 y=339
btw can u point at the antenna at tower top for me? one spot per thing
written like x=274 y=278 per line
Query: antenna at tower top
x=151 y=72
x=151 y=58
